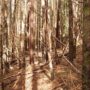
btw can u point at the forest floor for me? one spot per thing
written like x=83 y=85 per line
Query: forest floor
x=37 y=77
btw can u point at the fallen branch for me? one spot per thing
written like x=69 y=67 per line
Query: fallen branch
x=20 y=73
x=72 y=65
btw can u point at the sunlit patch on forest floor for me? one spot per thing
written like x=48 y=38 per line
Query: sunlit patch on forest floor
x=37 y=77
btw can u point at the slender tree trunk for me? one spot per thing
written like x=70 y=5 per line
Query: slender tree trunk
x=46 y=23
x=58 y=28
x=1 y=47
x=2 y=84
x=31 y=33
x=1 y=57
x=13 y=21
x=71 y=40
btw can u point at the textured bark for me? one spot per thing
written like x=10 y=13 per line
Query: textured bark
x=71 y=40
x=58 y=27
x=31 y=32
x=1 y=43
x=86 y=46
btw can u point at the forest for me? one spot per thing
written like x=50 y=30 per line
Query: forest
x=44 y=44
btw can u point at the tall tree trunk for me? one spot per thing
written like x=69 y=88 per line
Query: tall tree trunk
x=1 y=58
x=71 y=40
x=31 y=32
x=48 y=41
x=1 y=55
x=1 y=46
x=58 y=28
x=86 y=46
x=39 y=24
x=13 y=21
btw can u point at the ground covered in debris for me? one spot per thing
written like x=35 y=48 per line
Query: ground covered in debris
x=67 y=76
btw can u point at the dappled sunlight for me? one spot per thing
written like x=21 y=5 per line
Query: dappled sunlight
x=28 y=78
x=44 y=83
x=36 y=81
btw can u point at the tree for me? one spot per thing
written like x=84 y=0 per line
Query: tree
x=71 y=39
x=58 y=27
x=86 y=45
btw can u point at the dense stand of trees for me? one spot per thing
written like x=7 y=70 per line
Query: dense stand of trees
x=44 y=28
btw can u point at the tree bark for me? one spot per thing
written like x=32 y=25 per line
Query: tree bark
x=58 y=28
x=71 y=39
x=86 y=45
